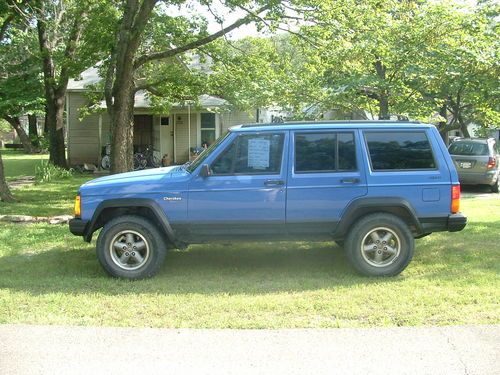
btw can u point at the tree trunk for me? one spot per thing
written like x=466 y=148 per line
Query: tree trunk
x=383 y=95
x=55 y=119
x=463 y=127
x=443 y=112
x=5 y=194
x=33 y=131
x=122 y=130
x=23 y=137
x=383 y=105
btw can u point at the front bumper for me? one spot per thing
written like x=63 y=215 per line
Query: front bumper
x=78 y=226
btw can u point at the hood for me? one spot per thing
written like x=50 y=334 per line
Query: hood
x=149 y=176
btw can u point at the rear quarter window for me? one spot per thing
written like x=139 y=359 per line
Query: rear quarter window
x=399 y=150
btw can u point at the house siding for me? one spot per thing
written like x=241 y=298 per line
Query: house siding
x=83 y=135
x=182 y=136
x=229 y=119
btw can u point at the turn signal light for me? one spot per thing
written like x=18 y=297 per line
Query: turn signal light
x=491 y=163
x=455 y=199
x=78 y=206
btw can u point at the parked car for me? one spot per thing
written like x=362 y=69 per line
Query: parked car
x=372 y=186
x=477 y=161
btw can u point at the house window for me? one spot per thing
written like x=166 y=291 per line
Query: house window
x=207 y=128
x=165 y=121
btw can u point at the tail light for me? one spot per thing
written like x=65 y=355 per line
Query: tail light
x=455 y=199
x=491 y=163
x=78 y=206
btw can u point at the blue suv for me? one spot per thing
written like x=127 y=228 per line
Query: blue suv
x=373 y=187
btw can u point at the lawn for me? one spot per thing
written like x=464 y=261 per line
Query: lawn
x=48 y=276
x=17 y=164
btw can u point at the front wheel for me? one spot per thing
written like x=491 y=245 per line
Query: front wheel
x=380 y=245
x=131 y=247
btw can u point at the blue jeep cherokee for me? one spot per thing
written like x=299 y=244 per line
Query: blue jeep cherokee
x=373 y=187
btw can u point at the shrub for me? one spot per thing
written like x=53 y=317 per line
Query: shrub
x=46 y=172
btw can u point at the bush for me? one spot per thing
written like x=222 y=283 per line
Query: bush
x=46 y=172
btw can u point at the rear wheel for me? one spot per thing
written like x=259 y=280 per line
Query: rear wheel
x=380 y=245
x=496 y=186
x=131 y=247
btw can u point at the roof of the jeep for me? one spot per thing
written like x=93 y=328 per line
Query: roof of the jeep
x=300 y=125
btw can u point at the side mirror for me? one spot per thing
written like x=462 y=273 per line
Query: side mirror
x=205 y=171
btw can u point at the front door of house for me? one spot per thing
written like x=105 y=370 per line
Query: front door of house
x=143 y=132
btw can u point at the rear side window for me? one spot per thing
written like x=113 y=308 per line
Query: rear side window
x=324 y=152
x=399 y=150
x=468 y=149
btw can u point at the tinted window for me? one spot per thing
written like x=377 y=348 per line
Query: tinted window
x=469 y=148
x=399 y=150
x=251 y=154
x=322 y=152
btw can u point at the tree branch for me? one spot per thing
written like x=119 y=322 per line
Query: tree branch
x=5 y=26
x=197 y=43
x=69 y=52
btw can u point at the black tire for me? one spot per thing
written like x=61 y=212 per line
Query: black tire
x=387 y=258
x=496 y=186
x=116 y=262
x=340 y=243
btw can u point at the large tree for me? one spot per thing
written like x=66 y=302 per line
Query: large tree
x=69 y=40
x=137 y=51
x=6 y=19
x=459 y=76
x=21 y=88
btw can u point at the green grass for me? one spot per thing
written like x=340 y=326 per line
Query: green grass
x=48 y=276
x=17 y=164
x=45 y=199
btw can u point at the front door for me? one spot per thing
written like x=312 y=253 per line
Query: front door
x=244 y=197
x=143 y=132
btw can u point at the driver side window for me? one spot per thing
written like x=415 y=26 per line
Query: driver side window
x=251 y=154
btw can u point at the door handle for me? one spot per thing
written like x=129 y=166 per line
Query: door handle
x=274 y=183
x=349 y=180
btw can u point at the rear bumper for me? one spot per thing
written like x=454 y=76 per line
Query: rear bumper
x=450 y=223
x=78 y=226
x=456 y=222
x=484 y=178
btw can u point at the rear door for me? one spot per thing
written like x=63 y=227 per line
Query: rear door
x=325 y=174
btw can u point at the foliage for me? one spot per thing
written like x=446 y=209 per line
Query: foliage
x=46 y=172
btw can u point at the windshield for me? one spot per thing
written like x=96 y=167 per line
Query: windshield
x=201 y=158
x=469 y=149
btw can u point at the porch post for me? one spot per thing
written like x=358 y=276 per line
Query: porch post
x=189 y=131
x=99 y=147
x=174 y=121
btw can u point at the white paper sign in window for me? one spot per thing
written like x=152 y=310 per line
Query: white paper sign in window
x=258 y=153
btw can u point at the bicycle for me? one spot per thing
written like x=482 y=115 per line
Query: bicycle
x=143 y=160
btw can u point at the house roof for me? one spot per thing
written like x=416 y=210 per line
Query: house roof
x=91 y=76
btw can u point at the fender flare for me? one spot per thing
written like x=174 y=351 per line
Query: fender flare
x=150 y=204
x=364 y=206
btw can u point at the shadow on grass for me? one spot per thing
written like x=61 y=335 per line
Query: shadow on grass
x=253 y=268
x=240 y=268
